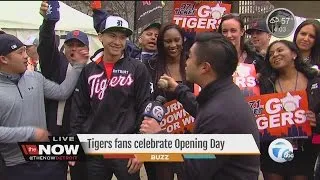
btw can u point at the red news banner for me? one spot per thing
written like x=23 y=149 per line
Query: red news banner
x=202 y=16
x=281 y=115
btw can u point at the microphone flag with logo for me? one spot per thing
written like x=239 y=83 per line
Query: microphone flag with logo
x=155 y=109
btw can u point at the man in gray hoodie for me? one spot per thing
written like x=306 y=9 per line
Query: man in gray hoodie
x=22 y=113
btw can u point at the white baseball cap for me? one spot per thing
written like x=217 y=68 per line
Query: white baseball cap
x=32 y=40
x=116 y=23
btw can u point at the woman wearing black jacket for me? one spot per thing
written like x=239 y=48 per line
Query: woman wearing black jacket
x=286 y=71
x=170 y=60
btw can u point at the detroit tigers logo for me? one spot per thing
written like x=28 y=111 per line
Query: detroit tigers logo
x=119 y=23
x=98 y=84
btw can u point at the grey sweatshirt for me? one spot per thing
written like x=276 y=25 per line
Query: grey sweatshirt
x=22 y=108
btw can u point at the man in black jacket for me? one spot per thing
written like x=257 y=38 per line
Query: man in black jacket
x=54 y=66
x=220 y=108
x=110 y=97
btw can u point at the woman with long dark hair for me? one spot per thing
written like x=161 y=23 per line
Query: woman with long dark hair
x=307 y=39
x=170 y=60
x=286 y=71
x=232 y=27
x=171 y=56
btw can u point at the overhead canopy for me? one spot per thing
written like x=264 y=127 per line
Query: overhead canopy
x=25 y=15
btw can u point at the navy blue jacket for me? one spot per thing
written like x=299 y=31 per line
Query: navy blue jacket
x=54 y=66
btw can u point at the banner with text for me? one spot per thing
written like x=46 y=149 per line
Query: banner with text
x=281 y=115
x=168 y=147
x=245 y=78
x=146 y=12
x=177 y=120
x=201 y=16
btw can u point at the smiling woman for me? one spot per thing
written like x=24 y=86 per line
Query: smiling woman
x=288 y=72
x=232 y=27
x=170 y=60
x=307 y=39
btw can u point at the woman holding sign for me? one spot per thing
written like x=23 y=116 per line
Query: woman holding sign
x=170 y=60
x=232 y=27
x=287 y=72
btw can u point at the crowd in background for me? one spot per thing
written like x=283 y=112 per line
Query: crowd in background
x=72 y=95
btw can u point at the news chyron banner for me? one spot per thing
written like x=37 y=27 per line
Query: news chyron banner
x=58 y=148
x=167 y=147
x=145 y=147
x=199 y=16
x=281 y=115
x=245 y=78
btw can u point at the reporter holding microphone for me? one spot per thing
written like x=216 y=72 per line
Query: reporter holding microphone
x=220 y=108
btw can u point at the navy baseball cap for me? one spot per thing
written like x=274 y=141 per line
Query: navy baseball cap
x=156 y=25
x=259 y=25
x=76 y=34
x=9 y=43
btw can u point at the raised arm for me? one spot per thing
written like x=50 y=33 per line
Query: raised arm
x=49 y=55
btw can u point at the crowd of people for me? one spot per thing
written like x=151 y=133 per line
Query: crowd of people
x=64 y=92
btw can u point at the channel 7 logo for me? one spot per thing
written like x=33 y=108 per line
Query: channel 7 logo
x=59 y=148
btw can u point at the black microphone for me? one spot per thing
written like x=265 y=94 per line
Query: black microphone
x=155 y=109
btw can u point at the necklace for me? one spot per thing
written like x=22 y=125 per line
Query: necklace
x=294 y=142
x=295 y=86
x=307 y=59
